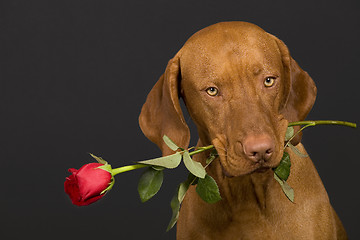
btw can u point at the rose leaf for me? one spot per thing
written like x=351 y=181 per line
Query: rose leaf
x=283 y=170
x=178 y=198
x=208 y=190
x=175 y=206
x=170 y=161
x=150 y=183
x=289 y=133
x=212 y=156
x=297 y=151
x=170 y=143
x=194 y=167
x=289 y=192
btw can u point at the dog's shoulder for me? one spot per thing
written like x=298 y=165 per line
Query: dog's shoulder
x=304 y=178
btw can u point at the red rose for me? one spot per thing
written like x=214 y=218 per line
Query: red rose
x=88 y=184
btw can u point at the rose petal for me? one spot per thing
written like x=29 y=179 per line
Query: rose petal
x=85 y=185
x=72 y=170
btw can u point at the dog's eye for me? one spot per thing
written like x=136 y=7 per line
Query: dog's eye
x=269 y=81
x=212 y=91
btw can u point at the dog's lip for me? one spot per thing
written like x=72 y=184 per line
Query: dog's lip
x=259 y=167
x=256 y=168
x=226 y=173
x=262 y=169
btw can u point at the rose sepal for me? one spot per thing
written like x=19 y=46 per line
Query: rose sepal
x=106 y=167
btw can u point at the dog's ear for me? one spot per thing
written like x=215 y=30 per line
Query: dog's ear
x=161 y=114
x=300 y=92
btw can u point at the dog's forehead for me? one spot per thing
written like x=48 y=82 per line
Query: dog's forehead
x=230 y=48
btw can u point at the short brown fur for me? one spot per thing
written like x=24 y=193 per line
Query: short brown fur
x=235 y=58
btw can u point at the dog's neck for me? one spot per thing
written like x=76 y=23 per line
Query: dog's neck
x=243 y=192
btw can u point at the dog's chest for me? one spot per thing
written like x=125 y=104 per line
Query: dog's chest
x=253 y=227
x=249 y=226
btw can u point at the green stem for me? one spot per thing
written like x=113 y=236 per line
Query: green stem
x=205 y=148
x=323 y=122
x=288 y=142
x=137 y=166
x=318 y=122
x=201 y=149
x=127 y=168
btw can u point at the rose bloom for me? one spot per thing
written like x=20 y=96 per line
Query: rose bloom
x=85 y=185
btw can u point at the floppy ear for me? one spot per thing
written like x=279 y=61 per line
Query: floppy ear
x=161 y=114
x=300 y=93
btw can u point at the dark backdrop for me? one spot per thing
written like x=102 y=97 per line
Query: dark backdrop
x=74 y=75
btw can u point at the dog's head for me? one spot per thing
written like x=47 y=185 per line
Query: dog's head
x=241 y=88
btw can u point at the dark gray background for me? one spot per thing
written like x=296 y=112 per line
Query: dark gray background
x=74 y=75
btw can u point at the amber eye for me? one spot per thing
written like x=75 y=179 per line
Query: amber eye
x=269 y=81
x=212 y=91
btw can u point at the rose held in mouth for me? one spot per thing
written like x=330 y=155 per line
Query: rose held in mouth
x=89 y=183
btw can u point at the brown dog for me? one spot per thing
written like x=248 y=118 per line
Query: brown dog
x=241 y=87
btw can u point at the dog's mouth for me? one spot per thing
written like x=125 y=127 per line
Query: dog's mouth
x=234 y=165
x=257 y=169
x=262 y=169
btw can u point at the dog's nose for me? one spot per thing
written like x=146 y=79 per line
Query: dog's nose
x=258 y=148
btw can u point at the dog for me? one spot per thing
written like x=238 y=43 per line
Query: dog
x=241 y=88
